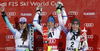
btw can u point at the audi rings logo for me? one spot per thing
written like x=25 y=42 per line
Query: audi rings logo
x=89 y=24
x=44 y=13
x=9 y=48
x=9 y=37
x=52 y=41
x=73 y=13
x=90 y=36
x=90 y=48
x=11 y=14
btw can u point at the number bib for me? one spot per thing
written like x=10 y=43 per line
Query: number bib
x=20 y=44
x=72 y=43
x=53 y=38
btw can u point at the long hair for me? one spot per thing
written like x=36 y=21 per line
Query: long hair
x=25 y=32
x=79 y=31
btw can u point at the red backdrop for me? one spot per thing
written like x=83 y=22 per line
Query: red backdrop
x=88 y=11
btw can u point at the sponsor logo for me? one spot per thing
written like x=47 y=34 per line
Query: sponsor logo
x=90 y=36
x=90 y=48
x=51 y=41
x=9 y=37
x=9 y=48
x=89 y=13
x=89 y=24
x=44 y=13
x=73 y=13
x=26 y=14
x=9 y=14
x=70 y=48
x=22 y=46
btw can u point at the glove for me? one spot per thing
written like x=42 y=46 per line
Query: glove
x=59 y=5
x=39 y=9
x=2 y=9
x=3 y=14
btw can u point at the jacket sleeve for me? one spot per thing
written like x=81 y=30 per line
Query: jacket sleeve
x=8 y=23
x=35 y=22
x=63 y=21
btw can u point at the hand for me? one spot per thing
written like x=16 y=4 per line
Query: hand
x=39 y=8
x=59 y=5
x=2 y=9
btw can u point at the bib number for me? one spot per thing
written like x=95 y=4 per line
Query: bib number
x=72 y=43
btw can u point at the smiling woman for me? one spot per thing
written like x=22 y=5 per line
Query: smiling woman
x=21 y=35
x=73 y=37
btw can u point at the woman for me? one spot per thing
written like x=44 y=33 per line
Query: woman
x=73 y=37
x=54 y=33
x=20 y=34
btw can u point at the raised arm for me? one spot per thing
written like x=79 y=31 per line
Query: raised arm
x=36 y=19
x=63 y=21
x=64 y=16
x=7 y=21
